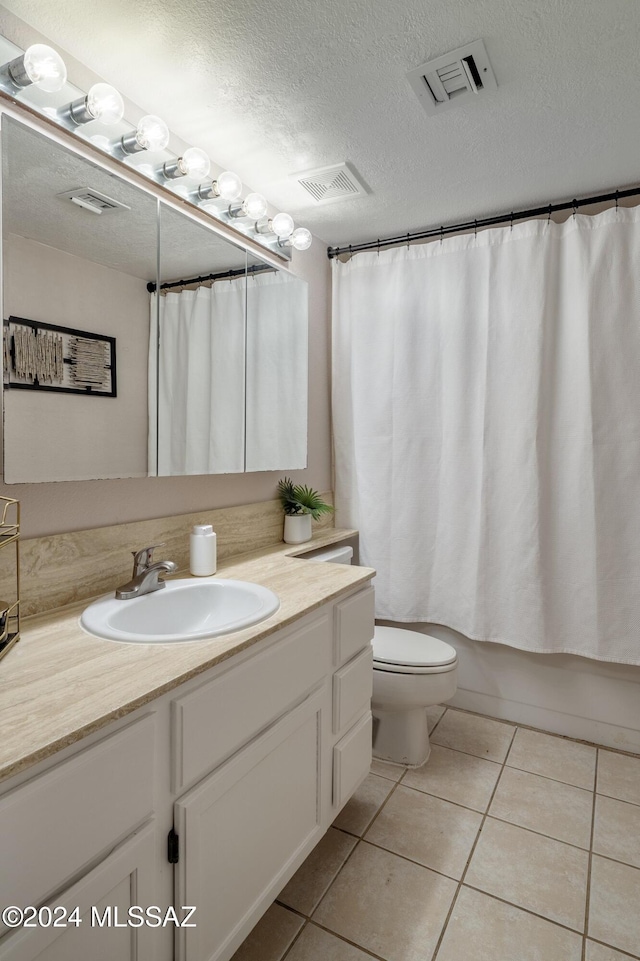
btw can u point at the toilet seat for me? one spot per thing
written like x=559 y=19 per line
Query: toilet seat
x=400 y=651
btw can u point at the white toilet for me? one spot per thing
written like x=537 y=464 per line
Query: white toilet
x=411 y=672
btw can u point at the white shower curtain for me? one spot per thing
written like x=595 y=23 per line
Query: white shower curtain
x=277 y=305
x=198 y=424
x=487 y=431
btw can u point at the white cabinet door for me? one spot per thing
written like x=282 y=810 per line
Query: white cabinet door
x=103 y=897
x=245 y=829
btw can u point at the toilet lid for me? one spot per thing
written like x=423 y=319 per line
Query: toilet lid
x=395 y=645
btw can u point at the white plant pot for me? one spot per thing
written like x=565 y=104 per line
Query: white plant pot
x=297 y=528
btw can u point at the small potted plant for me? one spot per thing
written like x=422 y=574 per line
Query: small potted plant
x=300 y=504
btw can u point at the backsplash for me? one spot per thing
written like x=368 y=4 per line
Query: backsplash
x=62 y=568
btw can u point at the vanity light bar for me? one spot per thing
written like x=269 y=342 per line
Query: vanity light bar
x=43 y=67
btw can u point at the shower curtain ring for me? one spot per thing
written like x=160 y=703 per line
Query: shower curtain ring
x=441 y=233
x=408 y=235
x=575 y=206
x=616 y=199
x=511 y=219
x=475 y=228
x=549 y=217
x=378 y=246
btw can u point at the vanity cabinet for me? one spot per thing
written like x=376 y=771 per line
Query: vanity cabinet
x=212 y=795
x=246 y=826
x=97 y=906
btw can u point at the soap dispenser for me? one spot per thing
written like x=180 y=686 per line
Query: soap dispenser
x=202 y=551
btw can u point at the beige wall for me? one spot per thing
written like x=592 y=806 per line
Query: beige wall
x=51 y=436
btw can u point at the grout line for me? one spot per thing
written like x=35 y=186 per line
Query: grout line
x=291 y=910
x=534 y=914
x=623 y=954
x=437 y=722
x=297 y=936
x=473 y=849
x=540 y=834
x=438 y=797
x=540 y=730
x=620 y=799
x=547 y=777
x=345 y=940
x=478 y=757
x=405 y=857
x=593 y=828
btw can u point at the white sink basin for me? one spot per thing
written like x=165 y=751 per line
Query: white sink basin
x=184 y=610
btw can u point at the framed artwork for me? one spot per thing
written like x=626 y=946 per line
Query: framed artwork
x=39 y=356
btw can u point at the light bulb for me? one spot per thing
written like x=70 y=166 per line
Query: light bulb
x=151 y=133
x=193 y=163
x=105 y=104
x=301 y=238
x=254 y=206
x=282 y=225
x=40 y=65
x=229 y=185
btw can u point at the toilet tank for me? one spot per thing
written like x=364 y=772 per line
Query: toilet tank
x=334 y=555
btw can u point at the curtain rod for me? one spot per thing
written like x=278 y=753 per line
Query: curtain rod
x=225 y=275
x=484 y=222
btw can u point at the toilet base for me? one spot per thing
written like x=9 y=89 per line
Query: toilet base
x=401 y=737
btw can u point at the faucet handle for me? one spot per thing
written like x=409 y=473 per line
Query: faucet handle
x=142 y=558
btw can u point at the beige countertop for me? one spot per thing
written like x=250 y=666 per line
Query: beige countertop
x=59 y=684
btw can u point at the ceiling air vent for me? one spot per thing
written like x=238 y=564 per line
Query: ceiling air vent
x=92 y=200
x=454 y=78
x=329 y=184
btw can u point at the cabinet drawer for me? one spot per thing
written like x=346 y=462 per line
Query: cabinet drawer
x=352 y=688
x=58 y=822
x=215 y=720
x=351 y=760
x=354 y=624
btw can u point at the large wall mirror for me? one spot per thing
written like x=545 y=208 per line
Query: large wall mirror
x=138 y=341
x=68 y=267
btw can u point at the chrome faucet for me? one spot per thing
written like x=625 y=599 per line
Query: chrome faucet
x=146 y=576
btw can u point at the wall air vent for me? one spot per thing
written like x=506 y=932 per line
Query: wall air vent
x=329 y=184
x=454 y=78
x=92 y=200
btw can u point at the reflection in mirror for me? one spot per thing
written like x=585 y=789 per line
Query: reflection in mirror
x=277 y=370
x=199 y=346
x=82 y=265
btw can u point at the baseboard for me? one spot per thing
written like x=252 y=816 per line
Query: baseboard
x=556 y=722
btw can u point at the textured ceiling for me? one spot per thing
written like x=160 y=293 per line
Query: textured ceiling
x=36 y=170
x=270 y=89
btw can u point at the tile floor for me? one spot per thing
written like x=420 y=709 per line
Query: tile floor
x=509 y=845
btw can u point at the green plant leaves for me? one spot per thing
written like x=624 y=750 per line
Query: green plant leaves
x=300 y=499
